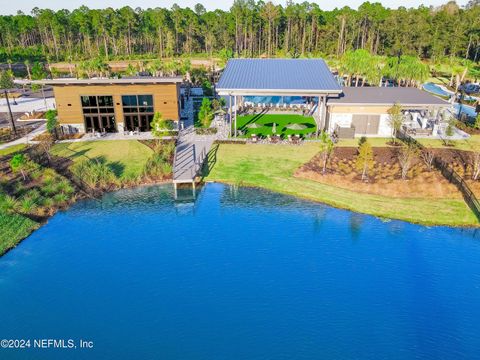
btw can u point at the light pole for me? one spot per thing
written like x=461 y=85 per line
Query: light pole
x=10 y=113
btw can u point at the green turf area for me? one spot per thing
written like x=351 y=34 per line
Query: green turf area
x=12 y=149
x=272 y=167
x=15 y=228
x=282 y=120
x=126 y=157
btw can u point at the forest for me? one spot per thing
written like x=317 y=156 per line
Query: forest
x=248 y=29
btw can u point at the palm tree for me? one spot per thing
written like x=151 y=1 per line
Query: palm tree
x=156 y=67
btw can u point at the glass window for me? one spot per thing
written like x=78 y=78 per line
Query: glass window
x=145 y=100
x=85 y=101
x=98 y=113
x=129 y=100
x=138 y=110
x=92 y=101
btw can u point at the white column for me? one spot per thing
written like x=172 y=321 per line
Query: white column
x=323 y=113
x=230 y=114
x=235 y=116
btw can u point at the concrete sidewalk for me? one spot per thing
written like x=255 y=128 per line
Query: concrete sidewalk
x=27 y=139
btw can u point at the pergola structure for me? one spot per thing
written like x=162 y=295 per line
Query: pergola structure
x=284 y=78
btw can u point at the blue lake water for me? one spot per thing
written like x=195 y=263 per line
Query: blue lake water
x=240 y=274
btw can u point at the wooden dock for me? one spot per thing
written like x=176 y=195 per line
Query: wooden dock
x=190 y=154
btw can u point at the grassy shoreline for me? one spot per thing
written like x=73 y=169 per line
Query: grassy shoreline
x=272 y=168
x=127 y=160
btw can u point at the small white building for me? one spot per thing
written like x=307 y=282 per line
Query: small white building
x=363 y=111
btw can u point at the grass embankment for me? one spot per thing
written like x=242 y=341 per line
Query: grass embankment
x=273 y=167
x=282 y=120
x=15 y=228
x=28 y=196
x=473 y=142
x=126 y=158
x=12 y=149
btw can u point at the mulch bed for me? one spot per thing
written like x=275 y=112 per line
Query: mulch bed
x=385 y=178
x=388 y=155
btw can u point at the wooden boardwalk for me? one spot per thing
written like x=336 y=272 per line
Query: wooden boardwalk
x=190 y=154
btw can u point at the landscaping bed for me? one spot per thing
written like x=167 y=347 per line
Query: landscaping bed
x=7 y=135
x=385 y=177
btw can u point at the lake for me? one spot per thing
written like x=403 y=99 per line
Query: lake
x=240 y=274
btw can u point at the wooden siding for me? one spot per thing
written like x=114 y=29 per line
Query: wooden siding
x=67 y=98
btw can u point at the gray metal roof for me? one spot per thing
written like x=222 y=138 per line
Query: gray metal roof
x=104 y=81
x=279 y=75
x=406 y=96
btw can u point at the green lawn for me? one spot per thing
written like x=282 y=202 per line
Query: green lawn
x=282 y=120
x=272 y=167
x=12 y=149
x=126 y=157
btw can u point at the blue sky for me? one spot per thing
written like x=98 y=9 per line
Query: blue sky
x=11 y=7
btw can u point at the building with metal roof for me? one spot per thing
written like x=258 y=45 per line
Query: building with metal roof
x=364 y=111
x=277 y=76
x=307 y=86
x=407 y=96
x=278 y=83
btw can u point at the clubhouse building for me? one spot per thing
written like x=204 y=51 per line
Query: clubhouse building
x=308 y=87
x=115 y=105
x=252 y=86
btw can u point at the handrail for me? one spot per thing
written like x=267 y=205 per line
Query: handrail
x=448 y=173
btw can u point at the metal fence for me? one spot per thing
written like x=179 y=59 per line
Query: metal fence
x=449 y=173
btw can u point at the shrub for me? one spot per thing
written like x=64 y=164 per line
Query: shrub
x=160 y=126
x=95 y=174
x=157 y=166
x=27 y=205
x=18 y=163
x=8 y=204
x=205 y=114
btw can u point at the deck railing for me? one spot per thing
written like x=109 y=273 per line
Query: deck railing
x=449 y=173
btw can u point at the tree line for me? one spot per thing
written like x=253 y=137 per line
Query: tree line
x=248 y=29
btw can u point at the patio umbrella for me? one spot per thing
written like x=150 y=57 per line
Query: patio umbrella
x=296 y=126
x=254 y=126
x=274 y=128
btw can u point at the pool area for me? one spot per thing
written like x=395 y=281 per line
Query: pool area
x=289 y=100
x=241 y=273
x=469 y=111
x=465 y=109
x=437 y=90
x=442 y=91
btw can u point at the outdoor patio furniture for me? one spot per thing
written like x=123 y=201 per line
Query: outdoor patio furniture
x=254 y=138
x=274 y=139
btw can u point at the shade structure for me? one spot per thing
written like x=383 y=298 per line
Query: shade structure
x=254 y=126
x=274 y=128
x=296 y=126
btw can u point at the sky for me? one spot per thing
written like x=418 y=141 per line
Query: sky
x=11 y=7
